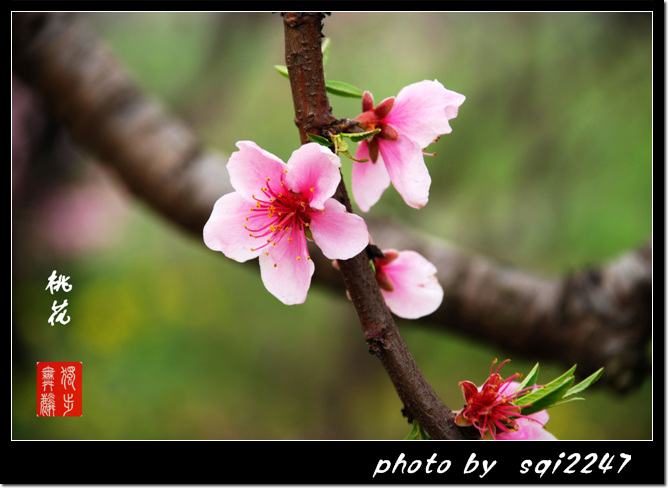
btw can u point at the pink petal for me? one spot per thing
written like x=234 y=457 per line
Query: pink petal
x=250 y=166
x=527 y=430
x=405 y=165
x=422 y=110
x=290 y=279
x=369 y=179
x=417 y=291
x=314 y=170
x=224 y=231
x=338 y=233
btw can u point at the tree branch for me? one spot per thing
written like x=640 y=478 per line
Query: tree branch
x=595 y=317
x=304 y=62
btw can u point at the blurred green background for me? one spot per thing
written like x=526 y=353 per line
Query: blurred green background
x=548 y=168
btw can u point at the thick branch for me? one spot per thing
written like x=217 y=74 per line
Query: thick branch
x=593 y=318
x=312 y=110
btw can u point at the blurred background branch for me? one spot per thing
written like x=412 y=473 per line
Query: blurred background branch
x=595 y=316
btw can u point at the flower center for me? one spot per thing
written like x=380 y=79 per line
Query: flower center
x=278 y=214
x=490 y=409
x=374 y=118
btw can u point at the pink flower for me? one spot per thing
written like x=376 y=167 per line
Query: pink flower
x=491 y=410
x=409 y=123
x=530 y=427
x=408 y=283
x=275 y=207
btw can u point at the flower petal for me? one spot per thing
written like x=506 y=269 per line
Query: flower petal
x=422 y=110
x=250 y=166
x=313 y=170
x=369 y=179
x=417 y=291
x=224 y=231
x=290 y=278
x=405 y=165
x=528 y=430
x=338 y=233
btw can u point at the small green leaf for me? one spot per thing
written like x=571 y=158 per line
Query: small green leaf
x=323 y=141
x=343 y=89
x=552 y=386
x=417 y=433
x=347 y=154
x=282 y=70
x=567 y=400
x=413 y=434
x=530 y=379
x=326 y=43
x=360 y=136
x=339 y=144
x=549 y=399
x=586 y=383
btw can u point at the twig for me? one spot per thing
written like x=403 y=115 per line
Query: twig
x=304 y=61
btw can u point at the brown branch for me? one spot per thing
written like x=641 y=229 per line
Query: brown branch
x=102 y=108
x=598 y=317
x=313 y=113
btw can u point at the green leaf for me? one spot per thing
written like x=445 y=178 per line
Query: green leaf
x=586 y=383
x=530 y=379
x=360 y=136
x=568 y=400
x=347 y=154
x=343 y=89
x=549 y=398
x=326 y=43
x=323 y=141
x=417 y=433
x=339 y=144
x=547 y=389
x=282 y=70
x=547 y=395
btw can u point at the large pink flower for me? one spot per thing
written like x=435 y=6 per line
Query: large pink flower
x=491 y=410
x=275 y=207
x=408 y=283
x=408 y=124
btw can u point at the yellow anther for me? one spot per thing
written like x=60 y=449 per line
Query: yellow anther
x=298 y=258
x=312 y=189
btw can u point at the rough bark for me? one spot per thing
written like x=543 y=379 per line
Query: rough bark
x=312 y=114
